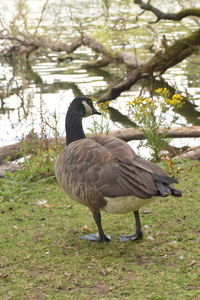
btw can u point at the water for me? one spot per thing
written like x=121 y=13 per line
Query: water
x=33 y=92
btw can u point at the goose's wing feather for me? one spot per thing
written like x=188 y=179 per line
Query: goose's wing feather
x=82 y=167
x=91 y=169
x=134 y=175
x=126 y=154
x=148 y=178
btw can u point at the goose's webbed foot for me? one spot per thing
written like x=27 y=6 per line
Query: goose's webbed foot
x=100 y=237
x=96 y=238
x=131 y=237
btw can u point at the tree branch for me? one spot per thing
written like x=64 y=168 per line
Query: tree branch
x=168 y=16
x=32 y=43
x=156 y=65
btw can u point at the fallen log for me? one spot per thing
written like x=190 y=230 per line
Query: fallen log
x=129 y=134
x=11 y=152
x=193 y=153
x=9 y=166
x=14 y=151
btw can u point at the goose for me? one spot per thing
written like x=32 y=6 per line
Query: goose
x=104 y=173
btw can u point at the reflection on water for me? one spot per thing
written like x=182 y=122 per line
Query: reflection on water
x=46 y=85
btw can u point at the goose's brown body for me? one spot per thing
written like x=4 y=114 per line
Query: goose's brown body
x=105 y=173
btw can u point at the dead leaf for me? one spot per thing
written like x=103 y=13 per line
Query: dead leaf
x=48 y=205
x=87 y=228
x=15 y=227
x=26 y=214
x=192 y=263
x=3 y=276
x=106 y=271
x=69 y=206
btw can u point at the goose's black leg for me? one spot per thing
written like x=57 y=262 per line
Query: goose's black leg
x=100 y=237
x=138 y=234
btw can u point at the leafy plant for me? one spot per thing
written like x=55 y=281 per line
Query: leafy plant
x=150 y=113
x=104 y=125
x=35 y=168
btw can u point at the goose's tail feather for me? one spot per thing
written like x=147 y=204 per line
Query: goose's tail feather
x=163 y=182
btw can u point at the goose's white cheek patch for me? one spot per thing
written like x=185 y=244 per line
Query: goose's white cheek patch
x=88 y=109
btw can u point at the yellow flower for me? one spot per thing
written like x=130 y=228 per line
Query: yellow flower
x=142 y=109
x=164 y=92
x=168 y=101
x=138 y=101
x=177 y=96
x=103 y=106
x=176 y=100
x=131 y=103
x=135 y=102
x=148 y=100
x=159 y=91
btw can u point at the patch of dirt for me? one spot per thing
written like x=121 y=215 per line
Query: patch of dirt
x=101 y=288
x=35 y=294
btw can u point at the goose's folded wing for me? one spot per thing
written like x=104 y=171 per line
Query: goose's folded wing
x=138 y=171
x=93 y=165
x=129 y=180
x=119 y=148
x=126 y=154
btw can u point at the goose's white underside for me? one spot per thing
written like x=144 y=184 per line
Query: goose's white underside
x=123 y=205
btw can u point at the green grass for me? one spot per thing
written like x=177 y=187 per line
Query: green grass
x=42 y=257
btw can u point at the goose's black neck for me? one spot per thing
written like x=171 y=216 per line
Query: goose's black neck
x=73 y=126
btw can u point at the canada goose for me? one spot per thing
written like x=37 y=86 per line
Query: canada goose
x=104 y=173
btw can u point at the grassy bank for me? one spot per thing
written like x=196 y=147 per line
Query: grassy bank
x=42 y=256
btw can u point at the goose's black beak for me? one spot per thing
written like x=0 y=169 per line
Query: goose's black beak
x=95 y=112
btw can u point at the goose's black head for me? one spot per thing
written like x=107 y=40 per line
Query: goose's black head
x=79 y=108
x=84 y=106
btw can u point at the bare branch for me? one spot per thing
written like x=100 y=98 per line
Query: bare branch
x=156 y=65
x=33 y=42
x=168 y=16
x=100 y=63
x=41 y=17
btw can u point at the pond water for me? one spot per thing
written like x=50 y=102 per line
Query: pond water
x=39 y=91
